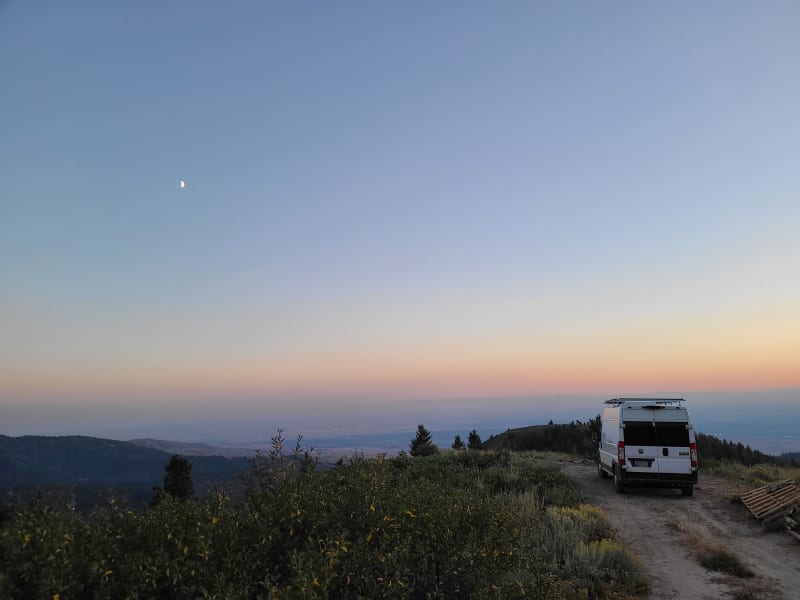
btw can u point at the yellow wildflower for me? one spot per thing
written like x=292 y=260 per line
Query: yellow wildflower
x=185 y=550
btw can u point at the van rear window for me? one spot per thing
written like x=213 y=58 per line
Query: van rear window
x=663 y=434
x=672 y=434
x=640 y=434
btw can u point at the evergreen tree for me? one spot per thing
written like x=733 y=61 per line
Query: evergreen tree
x=422 y=444
x=5 y=512
x=178 y=478
x=474 y=441
x=458 y=444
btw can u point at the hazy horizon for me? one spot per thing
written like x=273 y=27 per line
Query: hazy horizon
x=215 y=213
x=763 y=419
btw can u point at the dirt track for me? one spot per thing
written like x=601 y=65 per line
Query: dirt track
x=657 y=524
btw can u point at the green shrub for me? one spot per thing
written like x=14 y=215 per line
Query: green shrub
x=496 y=525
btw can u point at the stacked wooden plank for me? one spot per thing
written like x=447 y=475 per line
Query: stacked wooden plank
x=792 y=521
x=779 y=500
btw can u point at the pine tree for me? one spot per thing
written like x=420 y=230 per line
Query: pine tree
x=178 y=478
x=474 y=441
x=458 y=444
x=422 y=444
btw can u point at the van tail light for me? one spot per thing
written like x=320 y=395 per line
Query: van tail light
x=693 y=453
x=621 y=453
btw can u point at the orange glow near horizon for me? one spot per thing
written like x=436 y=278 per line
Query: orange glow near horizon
x=722 y=359
x=747 y=348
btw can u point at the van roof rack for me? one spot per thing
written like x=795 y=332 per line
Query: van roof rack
x=641 y=401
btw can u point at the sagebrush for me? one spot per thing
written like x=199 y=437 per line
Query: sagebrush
x=456 y=525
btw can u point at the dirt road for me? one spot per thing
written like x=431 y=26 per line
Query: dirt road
x=664 y=529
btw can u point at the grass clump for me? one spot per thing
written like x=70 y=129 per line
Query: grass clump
x=752 y=475
x=747 y=594
x=709 y=554
x=719 y=559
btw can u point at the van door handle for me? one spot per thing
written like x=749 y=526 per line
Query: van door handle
x=665 y=451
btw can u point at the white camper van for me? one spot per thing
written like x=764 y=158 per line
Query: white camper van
x=648 y=442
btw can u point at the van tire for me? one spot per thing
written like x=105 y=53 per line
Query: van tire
x=618 y=485
x=601 y=471
x=688 y=490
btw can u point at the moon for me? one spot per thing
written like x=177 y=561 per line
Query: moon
x=182 y=184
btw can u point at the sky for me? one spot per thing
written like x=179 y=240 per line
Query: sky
x=392 y=204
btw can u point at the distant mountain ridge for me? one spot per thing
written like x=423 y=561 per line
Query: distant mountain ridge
x=82 y=460
x=193 y=448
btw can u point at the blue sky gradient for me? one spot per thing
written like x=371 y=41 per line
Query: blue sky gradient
x=395 y=202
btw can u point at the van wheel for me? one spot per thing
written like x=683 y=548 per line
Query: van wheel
x=601 y=471
x=688 y=490
x=618 y=485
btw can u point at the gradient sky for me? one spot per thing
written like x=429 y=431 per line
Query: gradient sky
x=390 y=202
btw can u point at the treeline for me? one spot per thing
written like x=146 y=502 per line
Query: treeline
x=714 y=448
x=422 y=443
x=570 y=438
x=576 y=438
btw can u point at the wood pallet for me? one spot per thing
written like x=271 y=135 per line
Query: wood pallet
x=792 y=521
x=776 y=501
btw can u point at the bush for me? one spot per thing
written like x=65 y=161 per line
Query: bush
x=445 y=527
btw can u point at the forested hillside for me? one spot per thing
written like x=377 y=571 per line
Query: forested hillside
x=710 y=447
x=87 y=465
x=571 y=438
x=576 y=438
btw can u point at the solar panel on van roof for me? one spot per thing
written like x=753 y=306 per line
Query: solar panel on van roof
x=642 y=401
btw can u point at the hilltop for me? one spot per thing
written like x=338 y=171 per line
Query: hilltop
x=570 y=438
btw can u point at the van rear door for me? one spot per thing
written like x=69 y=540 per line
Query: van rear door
x=641 y=447
x=673 y=454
